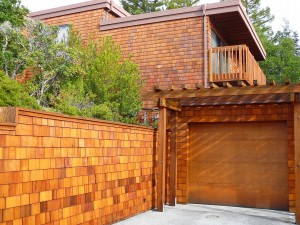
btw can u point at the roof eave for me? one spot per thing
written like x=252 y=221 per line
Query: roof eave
x=80 y=7
x=188 y=12
x=252 y=30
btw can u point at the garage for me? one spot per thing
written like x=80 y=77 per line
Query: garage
x=239 y=164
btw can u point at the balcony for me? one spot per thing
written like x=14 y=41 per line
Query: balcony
x=233 y=64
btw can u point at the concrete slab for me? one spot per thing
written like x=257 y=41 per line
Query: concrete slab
x=193 y=214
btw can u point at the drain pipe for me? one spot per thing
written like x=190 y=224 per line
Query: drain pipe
x=205 y=44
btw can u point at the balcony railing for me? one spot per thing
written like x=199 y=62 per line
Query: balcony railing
x=234 y=63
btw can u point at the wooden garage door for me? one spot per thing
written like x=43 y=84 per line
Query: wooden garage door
x=239 y=164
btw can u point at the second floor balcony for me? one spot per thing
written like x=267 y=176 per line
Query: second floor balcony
x=232 y=64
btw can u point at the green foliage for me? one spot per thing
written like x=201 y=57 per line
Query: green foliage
x=109 y=88
x=12 y=93
x=145 y=6
x=283 y=61
x=12 y=11
x=51 y=59
x=260 y=17
x=14 y=49
x=174 y=4
x=283 y=50
x=92 y=80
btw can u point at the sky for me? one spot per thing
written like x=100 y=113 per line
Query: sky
x=288 y=9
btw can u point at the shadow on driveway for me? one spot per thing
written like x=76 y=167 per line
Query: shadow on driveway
x=193 y=214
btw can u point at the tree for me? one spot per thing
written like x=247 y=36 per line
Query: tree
x=282 y=48
x=92 y=79
x=288 y=33
x=173 y=4
x=14 y=48
x=12 y=11
x=260 y=17
x=283 y=61
x=109 y=88
x=145 y=6
x=38 y=49
x=51 y=60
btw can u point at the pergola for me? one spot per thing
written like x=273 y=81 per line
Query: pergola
x=175 y=99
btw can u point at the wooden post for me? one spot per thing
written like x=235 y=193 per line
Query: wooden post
x=161 y=173
x=210 y=66
x=297 y=158
x=240 y=63
x=173 y=158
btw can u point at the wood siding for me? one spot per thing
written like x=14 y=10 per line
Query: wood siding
x=239 y=164
x=234 y=113
x=57 y=169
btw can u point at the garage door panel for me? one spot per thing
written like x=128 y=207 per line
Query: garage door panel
x=238 y=173
x=239 y=164
x=237 y=154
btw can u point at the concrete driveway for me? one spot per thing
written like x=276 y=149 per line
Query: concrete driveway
x=192 y=214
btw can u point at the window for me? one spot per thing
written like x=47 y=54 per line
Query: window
x=63 y=33
x=220 y=59
x=216 y=40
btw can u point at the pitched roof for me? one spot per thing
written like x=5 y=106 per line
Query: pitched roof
x=230 y=18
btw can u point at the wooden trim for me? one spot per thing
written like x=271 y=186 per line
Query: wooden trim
x=240 y=64
x=173 y=158
x=297 y=159
x=161 y=173
x=8 y=126
x=8 y=115
x=75 y=119
x=170 y=104
x=214 y=92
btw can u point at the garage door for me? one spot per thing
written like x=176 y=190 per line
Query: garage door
x=239 y=164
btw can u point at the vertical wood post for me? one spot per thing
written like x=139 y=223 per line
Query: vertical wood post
x=210 y=66
x=173 y=158
x=297 y=158
x=162 y=141
x=240 y=63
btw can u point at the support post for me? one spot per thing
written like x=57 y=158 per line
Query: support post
x=162 y=141
x=297 y=158
x=173 y=158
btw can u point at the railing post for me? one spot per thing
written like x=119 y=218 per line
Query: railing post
x=210 y=66
x=240 y=63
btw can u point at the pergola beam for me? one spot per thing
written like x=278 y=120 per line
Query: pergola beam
x=170 y=104
x=230 y=91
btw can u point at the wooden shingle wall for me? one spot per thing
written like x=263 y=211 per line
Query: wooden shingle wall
x=86 y=23
x=235 y=113
x=57 y=169
x=168 y=53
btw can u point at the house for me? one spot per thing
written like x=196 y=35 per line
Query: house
x=229 y=138
x=188 y=46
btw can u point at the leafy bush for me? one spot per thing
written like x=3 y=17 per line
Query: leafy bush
x=12 y=93
x=108 y=87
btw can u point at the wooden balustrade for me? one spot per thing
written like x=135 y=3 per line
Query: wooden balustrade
x=234 y=63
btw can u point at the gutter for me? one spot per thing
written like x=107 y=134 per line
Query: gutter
x=205 y=44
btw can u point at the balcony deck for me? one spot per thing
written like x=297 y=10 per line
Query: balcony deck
x=233 y=64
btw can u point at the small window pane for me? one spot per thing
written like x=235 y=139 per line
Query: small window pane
x=63 y=33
